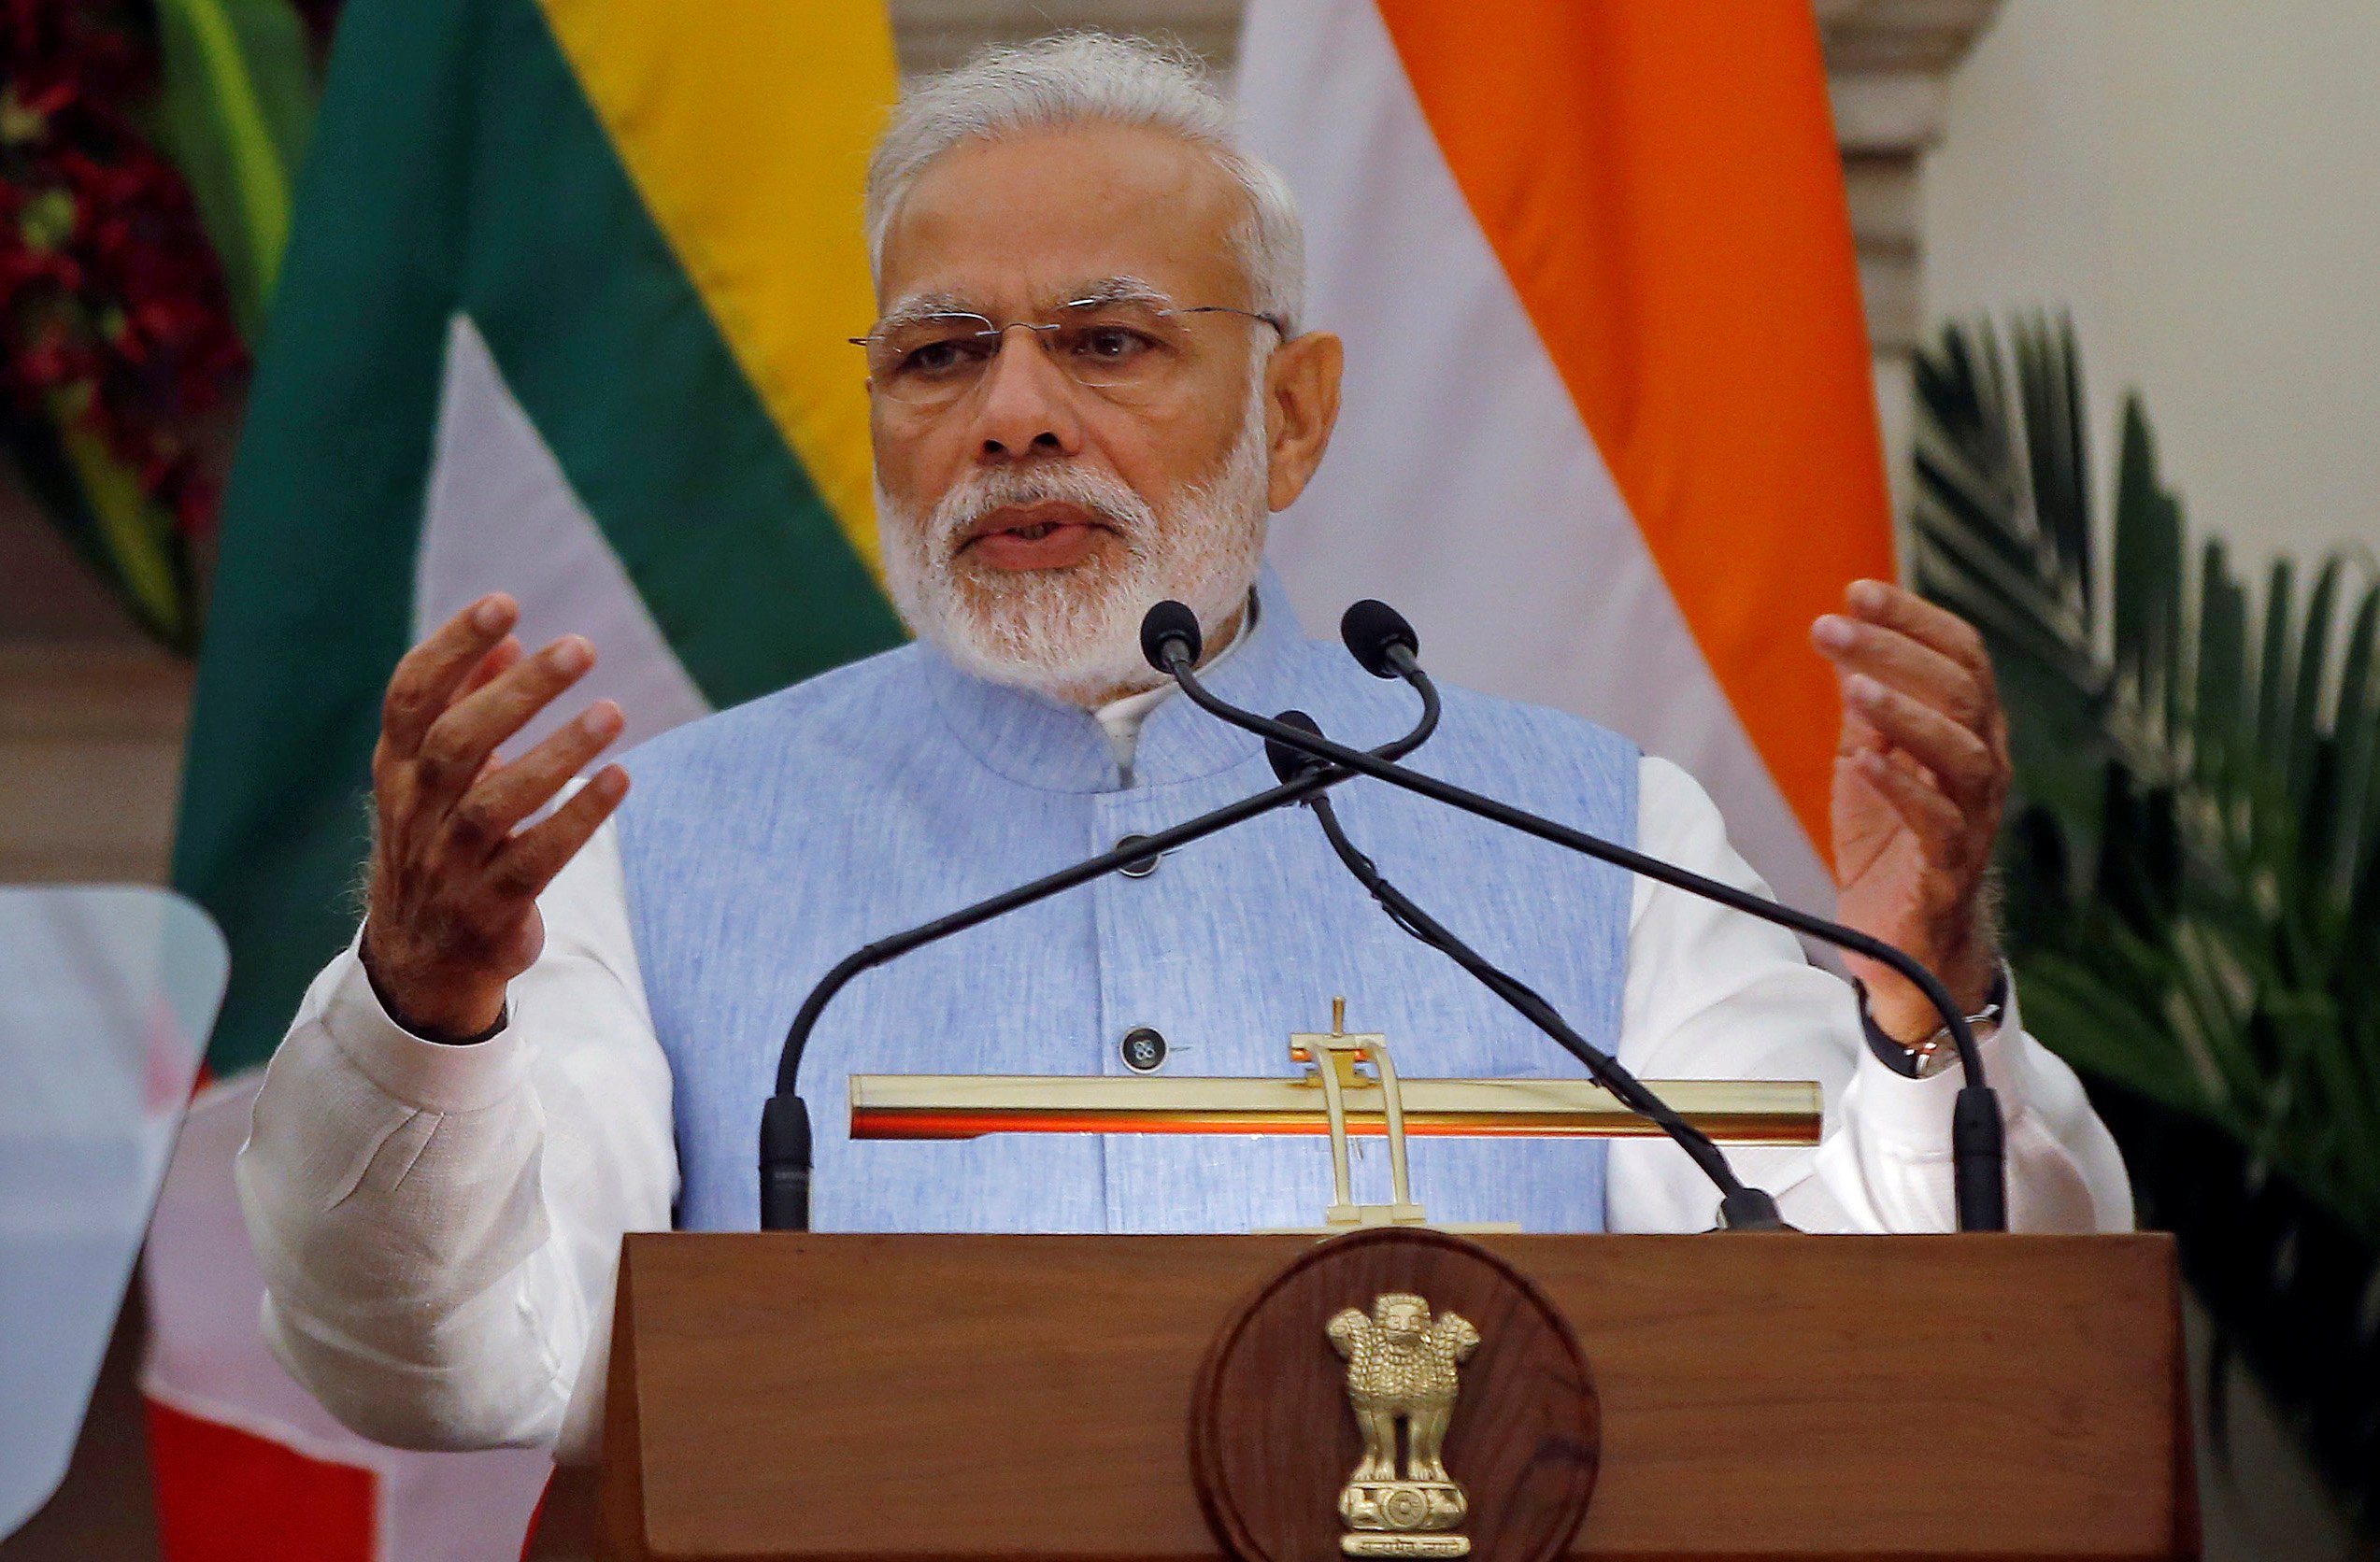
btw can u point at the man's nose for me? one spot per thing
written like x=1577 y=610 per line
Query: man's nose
x=1027 y=405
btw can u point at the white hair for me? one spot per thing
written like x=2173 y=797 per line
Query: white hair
x=1092 y=79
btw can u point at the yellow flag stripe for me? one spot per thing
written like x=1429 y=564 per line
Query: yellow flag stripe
x=746 y=126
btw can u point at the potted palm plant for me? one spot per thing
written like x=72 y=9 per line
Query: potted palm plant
x=2192 y=871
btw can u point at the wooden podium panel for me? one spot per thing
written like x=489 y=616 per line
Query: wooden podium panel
x=1011 y=1396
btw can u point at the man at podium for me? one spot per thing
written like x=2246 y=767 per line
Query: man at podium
x=1092 y=383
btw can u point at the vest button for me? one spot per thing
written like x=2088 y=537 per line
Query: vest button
x=1140 y=867
x=1144 y=1049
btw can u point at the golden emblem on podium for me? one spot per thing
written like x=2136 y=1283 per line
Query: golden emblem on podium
x=1402 y=1365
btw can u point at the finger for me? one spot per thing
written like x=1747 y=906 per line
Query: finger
x=1876 y=602
x=427 y=676
x=1859 y=734
x=1938 y=824
x=458 y=744
x=507 y=654
x=1906 y=663
x=485 y=816
x=530 y=860
x=1962 y=764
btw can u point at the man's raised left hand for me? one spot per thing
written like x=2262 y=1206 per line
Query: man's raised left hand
x=1920 y=776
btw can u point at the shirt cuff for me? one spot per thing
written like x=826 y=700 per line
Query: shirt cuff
x=428 y=1076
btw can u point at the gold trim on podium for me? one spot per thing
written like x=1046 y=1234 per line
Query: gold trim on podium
x=967 y=1106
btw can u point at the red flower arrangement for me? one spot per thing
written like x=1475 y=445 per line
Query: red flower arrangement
x=112 y=306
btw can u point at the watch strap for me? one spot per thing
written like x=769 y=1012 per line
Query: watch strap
x=1937 y=1052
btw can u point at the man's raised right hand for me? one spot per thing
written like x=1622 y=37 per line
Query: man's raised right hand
x=452 y=916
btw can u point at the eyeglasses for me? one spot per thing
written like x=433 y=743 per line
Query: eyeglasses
x=1122 y=347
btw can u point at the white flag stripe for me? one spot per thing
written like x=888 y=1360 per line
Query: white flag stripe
x=1462 y=484
x=501 y=515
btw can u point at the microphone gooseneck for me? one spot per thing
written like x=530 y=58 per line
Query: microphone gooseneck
x=1742 y=1208
x=784 y=1139
x=1976 y=1137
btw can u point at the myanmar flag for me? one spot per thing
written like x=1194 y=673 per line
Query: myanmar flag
x=1609 y=435
x=563 y=313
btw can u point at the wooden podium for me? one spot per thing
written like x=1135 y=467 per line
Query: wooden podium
x=1017 y=1397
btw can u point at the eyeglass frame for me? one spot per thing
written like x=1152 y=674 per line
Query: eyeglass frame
x=1046 y=329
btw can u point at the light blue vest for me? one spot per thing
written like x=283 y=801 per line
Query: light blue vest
x=764 y=843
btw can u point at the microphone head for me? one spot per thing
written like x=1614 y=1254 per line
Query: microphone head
x=1373 y=631
x=1287 y=764
x=1165 y=624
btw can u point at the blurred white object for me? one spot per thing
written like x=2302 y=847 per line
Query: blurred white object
x=107 y=995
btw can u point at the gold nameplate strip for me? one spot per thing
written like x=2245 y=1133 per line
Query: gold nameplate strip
x=967 y=1106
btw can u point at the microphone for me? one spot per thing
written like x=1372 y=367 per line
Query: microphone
x=1976 y=1137
x=1741 y=1208
x=1170 y=629
x=786 y=1147
x=1379 y=639
x=1287 y=764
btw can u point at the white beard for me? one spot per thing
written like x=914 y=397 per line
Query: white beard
x=1074 y=634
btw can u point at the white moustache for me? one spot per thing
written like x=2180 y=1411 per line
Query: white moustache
x=1094 y=493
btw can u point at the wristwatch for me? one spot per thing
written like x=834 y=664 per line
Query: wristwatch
x=1938 y=1052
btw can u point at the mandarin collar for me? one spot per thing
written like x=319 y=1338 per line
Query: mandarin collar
x=1047 y=744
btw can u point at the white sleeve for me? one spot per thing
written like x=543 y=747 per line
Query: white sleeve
x=440 y=1226
x=1714 y=994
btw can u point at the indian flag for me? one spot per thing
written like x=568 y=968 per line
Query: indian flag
x=562 y=313
x=1609 y=435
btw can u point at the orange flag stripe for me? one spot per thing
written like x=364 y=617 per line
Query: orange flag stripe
x=1660 y=180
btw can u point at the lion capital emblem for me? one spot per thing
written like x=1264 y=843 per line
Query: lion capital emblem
x=1402 y=1366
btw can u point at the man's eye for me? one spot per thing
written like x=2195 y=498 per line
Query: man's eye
x=1110 y=344
x=949 y=355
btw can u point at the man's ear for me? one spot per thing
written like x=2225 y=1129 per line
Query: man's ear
x=1302 y=407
